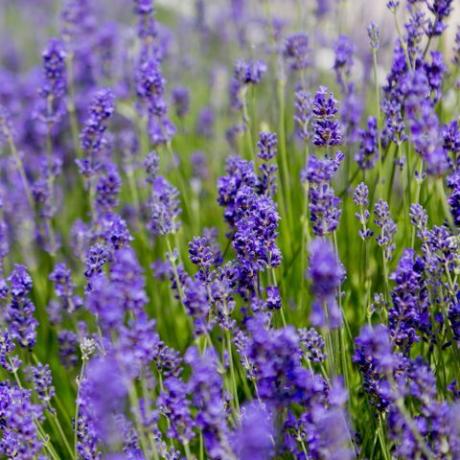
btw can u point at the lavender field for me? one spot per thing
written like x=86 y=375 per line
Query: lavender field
x=229 y=229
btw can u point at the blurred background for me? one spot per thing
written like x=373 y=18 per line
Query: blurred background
x=33 y=21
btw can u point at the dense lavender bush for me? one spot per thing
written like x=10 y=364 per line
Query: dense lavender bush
x=229 y=234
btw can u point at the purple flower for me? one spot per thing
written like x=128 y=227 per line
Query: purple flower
x=143 y=7
x=164 y=208
x=68 y=348
x=19 y=312
x=361 y=195
x=199 y=166
x=441 y=10
x=327 y=130
x=54 y=69
x=150 y=84
x=454 y=318
x=51 y=107
x=424 y=124
x=250 y=72
x=350 y=113
x=139 y=346
x=454 y=199
x=152 y=166
x=18 y=416
x=324 y=206
x=274 y=356
x=196 y=303
x=7 y=346
x=324 y=105
x=435 y=72
x=329 y=434
x=96 y=257
x=253 y=438
x=42 y=382
x=256 y=233
x=61 y=276
x=303 y=113
x=107 y=189
x=114 y=231
x=374 y=35
x=92 y=136
x=273 y=298
x=456 y=57
x=239 y=182
x=205 y=253
x=267 y=183
x=451 y=137
x=343 y=63
x=181 y=101
x=205 y=122
x=374 y=357
x=367 y=154
x=313 y=344
x=382 y=219
x=175 y=405
x=150 y=88
x=78 y=20
x=102 y=395
x=296 y=50
x=127 y=279
x=394 y=129
x=206 y=387
x=267 y=145
x=326 y=274
x=410 y=317
x=361 y=199
x=322 y=7
x=103 y=301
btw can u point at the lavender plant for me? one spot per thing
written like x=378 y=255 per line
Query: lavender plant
x=229 y=233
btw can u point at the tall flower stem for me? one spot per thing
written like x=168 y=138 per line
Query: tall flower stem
x=380 y=186
x=77 y=405
x=74 y=128
x=41 y=432
x=21 y=169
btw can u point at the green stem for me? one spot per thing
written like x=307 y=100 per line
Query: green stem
x=77 y=407
x=63 y=436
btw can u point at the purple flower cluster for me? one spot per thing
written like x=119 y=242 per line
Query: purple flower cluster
x=324 y=205
x=20 y=309
x=18 y=416
x=253 y=217
x=367 y=155
x=92 y=136
x=326 y=274
x=296 y=51
x=327 y=130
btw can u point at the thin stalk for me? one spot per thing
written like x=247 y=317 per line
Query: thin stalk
x=134 y=401
x=381 y=438
x=77 y=407
x=408 y=419
x=55 y=418
x=232 y=372
x=188 y=454
x=42 y=434
x=283 y=151
x=417 y=196
x=20 y=166
x=74 y=128
x=443 y=199
x=247 y=127
x=380 y=186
